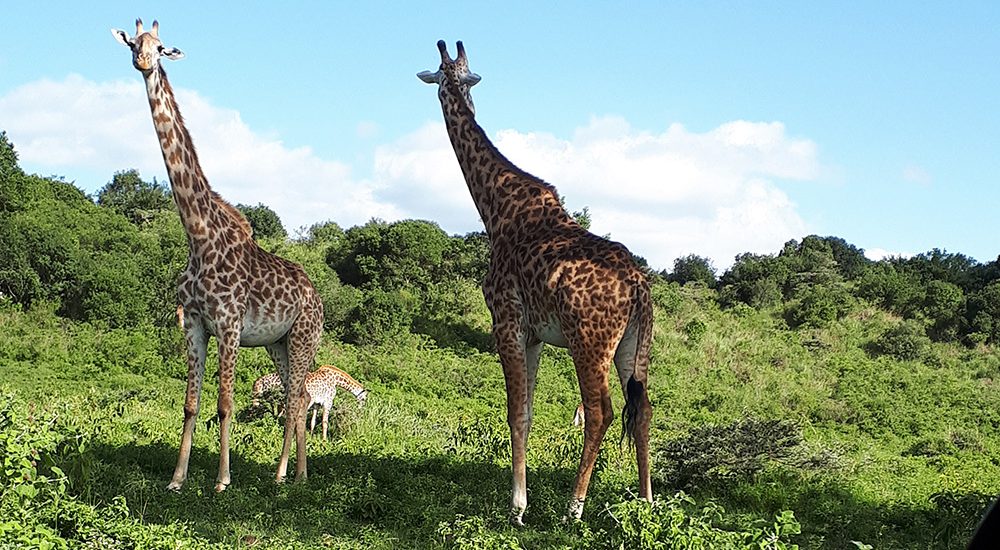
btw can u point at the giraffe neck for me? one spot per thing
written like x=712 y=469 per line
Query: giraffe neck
x=508 y=199
x=188 y=184
x=350 y=384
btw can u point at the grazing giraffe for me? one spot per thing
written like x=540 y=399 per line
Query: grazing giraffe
x=231 y=288
x=551 y=281
x=321 y=385
x=579 y=417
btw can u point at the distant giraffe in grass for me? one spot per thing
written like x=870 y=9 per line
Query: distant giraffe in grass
x=321 y=385
x=231 y=288
x=580 y=416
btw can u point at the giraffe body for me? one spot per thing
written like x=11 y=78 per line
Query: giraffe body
x=321 y=385
x=231 y=288
x=550 y=281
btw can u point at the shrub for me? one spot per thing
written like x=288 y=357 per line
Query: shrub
x=736 y=451
x=381 y=317
x=693 y=268
x=906 y=341
x=818 y=305
x=695 y=330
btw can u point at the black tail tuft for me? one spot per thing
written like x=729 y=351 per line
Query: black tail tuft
x=635 y=393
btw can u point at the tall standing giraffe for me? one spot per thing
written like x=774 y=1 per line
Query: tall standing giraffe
x=231 y=288
x=551 y=281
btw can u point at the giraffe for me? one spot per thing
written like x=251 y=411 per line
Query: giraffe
x=321 y=385
x=550 y=281
x=231 y=288
x=579 y=417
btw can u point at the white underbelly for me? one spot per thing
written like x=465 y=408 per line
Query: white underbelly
x=550 y=332
x=260 y=332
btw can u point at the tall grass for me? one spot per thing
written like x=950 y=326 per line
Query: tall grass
x=887 y=452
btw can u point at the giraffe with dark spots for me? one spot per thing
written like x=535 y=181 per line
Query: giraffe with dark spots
x=551 y=281
x=222 y=289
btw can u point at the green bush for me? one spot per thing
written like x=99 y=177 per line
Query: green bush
x=906 y=341
x=818 y=305
x=732 y=452
x=693 y=268
x=381 y=317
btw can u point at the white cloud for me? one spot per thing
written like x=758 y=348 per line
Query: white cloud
x=663 y=194
x=77 y=123
x=916 y=174
x=876 y=254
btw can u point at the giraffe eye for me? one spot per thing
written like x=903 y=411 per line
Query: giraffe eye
x=159 y=49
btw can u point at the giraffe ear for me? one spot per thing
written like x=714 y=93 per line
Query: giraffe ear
x=429 y=77
x=122 y=37
x=471 y=79
x=172 y=53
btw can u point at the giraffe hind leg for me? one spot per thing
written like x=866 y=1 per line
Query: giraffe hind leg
x=637 y=412
x=279 y=354
x=591 y=364
x=303 y=341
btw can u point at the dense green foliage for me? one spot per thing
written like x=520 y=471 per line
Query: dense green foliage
x=811 y=397
x=265 y=222
x=130 y=196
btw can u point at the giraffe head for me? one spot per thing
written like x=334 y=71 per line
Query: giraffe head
x=453 y=76
x=146 y=47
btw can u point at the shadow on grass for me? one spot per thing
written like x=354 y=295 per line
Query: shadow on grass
x=832 y=516
x=395 y=500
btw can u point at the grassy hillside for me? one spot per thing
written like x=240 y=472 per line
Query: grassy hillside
x=752 y=420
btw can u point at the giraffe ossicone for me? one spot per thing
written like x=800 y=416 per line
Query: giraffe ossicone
x=231 y=288
x=551 y=281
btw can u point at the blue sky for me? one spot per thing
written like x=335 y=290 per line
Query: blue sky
x=707 y=128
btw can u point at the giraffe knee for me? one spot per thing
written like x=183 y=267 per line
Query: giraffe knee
x=225 y=408
x=607 y=416
x=190 y=409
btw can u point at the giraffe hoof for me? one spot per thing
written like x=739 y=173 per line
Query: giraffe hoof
x=175 y=486
x=220 y=486
x=516 y=518
x=575 y=511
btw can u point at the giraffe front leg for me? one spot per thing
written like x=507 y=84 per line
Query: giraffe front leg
x=510 y=342
x=326 y=418
x=229 y=346
x=196 y=350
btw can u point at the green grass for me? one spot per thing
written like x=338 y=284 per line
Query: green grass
x=894 y=454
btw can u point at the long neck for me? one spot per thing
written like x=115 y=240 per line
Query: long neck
x=190 y=188
x=348 y=382
x=506 y=196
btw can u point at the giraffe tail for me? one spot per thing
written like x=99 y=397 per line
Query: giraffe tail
x=635 y=390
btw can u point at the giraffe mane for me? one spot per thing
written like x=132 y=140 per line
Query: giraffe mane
x=233 y=214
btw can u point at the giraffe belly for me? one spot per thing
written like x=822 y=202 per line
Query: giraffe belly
x=550 y=331
x=261 y=332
